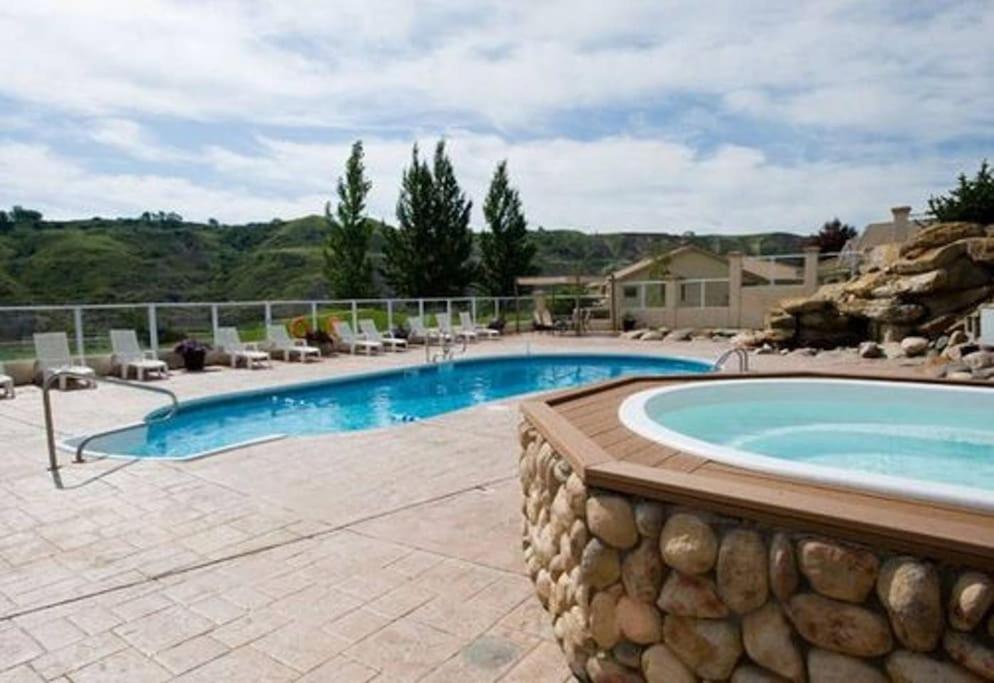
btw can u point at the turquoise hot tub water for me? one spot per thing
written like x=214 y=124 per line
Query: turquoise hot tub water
x=367 y=401
x=919 y=439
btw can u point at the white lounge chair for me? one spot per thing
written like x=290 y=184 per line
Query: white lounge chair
x=6 y=383
x=445 y=325
x=52 y=352
x=280 y=341
x=466 y=318
x=368 y=328
x=348 y=340
x=420 y=333
x=226 y=339
x=128 y=354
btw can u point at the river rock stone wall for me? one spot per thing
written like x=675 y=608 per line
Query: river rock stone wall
x=643 y=591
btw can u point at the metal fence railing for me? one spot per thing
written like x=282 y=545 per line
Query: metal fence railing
x=163 y=324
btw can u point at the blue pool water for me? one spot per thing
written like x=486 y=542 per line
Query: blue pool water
x=852 y=432
x=369 y=401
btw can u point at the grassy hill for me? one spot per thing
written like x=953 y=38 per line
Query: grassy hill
x=128 y=260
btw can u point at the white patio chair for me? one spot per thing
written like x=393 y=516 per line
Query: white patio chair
x=348 y=340
x=128 y=354
x=466 y=318
x=6 y=383
x=280 y=341
x=52 y=353
x=419 y=333
x=445 y=325
x=227 y=340
x=368 y=328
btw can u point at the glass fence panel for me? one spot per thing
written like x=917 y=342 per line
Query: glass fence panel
x=176 y=323
x=98 y=322
x=17 y=328
x=248 y=319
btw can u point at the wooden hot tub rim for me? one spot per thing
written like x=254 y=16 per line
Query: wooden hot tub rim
x=583 y=425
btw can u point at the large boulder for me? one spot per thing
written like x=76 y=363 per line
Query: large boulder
x=839 y=626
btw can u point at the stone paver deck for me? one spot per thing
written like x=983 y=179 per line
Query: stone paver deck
x=389 y=555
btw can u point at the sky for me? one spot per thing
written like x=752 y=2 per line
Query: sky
x=720 y=117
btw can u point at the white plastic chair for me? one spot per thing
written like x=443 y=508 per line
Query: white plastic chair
x=420 y=333
x=466 y=318
x=6 y=383
x=368 y=328
x=128 y=354
x=52 y=353
x=348 y=340
x=445 y=325
x=280 y=341
x=226 y=339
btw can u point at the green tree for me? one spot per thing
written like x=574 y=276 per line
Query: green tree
x=972 y=200
x=833 y=236
x=506 y=251
x=347 y=264
x=428 y=254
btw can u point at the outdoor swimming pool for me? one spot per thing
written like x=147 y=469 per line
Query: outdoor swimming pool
x=930 y=441
x=367 y=401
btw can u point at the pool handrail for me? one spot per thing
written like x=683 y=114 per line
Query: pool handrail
x=46 y=388
x=736 y=351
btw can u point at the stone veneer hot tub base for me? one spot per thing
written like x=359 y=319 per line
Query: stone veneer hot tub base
x=643 y=590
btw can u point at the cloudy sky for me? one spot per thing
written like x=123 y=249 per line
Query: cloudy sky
x=628 y=115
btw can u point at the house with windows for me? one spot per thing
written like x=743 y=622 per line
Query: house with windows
x=692 y=287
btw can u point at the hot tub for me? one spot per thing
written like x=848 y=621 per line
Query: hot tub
x=927 y=441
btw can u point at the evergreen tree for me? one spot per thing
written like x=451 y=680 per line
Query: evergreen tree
x=453 y=240
x=506 y=251
x=348 y=268
x=428 y=254
x=972 y=200
x=833 y=236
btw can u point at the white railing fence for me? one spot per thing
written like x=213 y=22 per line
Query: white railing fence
x=163 y=324
x=690 y=293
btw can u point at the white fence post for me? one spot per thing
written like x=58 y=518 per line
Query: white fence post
x=472 y=308
x=269 y=315
x=496 y=309
x=77 y=318
x=421 y=311
x=355 y=315
x=448 y=309
x=704 y=289
x=153 y=329
x=214 y=323
x=390 y=316
x=314 y=316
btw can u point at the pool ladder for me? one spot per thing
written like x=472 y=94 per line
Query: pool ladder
x=446 y=349
x=741 y=354
x=46 y=388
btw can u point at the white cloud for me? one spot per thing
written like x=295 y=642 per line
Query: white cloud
x=614 y=183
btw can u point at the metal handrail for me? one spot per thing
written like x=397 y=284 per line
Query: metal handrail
x=46 y=388
x=740 y=353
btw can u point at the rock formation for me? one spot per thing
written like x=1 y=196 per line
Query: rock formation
x=941 y=275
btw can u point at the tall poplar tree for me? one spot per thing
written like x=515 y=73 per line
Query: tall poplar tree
x=506 y=251
x=428 y=254
x=348 y=267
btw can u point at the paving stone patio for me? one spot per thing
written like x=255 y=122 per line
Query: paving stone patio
x=389 y=555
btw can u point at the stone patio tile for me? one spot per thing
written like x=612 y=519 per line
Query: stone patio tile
x=164 y=629
x=300 y=646
x=544 y=664
x=94 y=619
x=20 y=674
x=458 y=617
x=144 y=605
x=253 y=625
x=191 y=653
x=81 y=653
x=340 y=670
x=529 y=617
x=239 y=666
x=16 y=647
x=218 y=609
x=125 y=666
x=55 y=633
x=401 y=601
x=405 y=650
x=316 y=605
x=372 y=584
x=246 y=597
x=486 y=658
x=415 y=563
x=457 y=579
x=357 y=624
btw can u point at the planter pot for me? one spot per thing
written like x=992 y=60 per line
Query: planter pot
x=628 y=324
x=193 y=361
